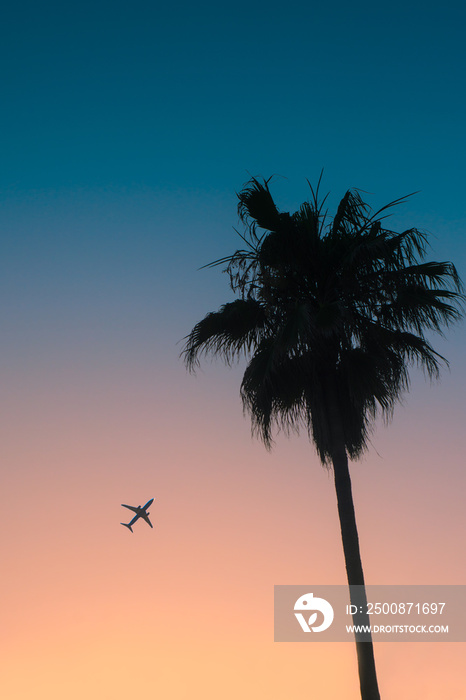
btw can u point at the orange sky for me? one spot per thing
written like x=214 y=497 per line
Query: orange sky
x=185 y=610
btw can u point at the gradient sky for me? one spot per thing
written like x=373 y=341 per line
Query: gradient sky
x=126 y=129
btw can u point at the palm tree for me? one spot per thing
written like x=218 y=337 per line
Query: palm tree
x=331 y=313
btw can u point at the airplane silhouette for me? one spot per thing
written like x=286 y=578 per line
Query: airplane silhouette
x=141 y=512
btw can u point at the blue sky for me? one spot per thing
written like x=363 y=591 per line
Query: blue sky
x=196 y=95
x=127 y=128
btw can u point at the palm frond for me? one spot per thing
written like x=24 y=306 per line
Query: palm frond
x=351 y=214
x=256 y=206
x=233 y=330
x=272 y=395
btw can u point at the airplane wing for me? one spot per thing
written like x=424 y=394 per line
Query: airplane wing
x=146 y=518
x=135 y=510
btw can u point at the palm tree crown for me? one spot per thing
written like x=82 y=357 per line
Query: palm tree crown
x=331 y=314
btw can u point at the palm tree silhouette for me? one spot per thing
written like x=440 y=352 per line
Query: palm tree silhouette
x=331 y=314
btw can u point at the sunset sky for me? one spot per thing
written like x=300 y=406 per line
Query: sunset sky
x=126 y=129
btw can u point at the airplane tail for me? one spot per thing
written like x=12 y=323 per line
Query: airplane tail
x=128 y=526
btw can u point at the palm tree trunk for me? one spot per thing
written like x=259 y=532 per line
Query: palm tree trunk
x=349 y=534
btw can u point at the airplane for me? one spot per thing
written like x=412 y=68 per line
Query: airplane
x=141 y=512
